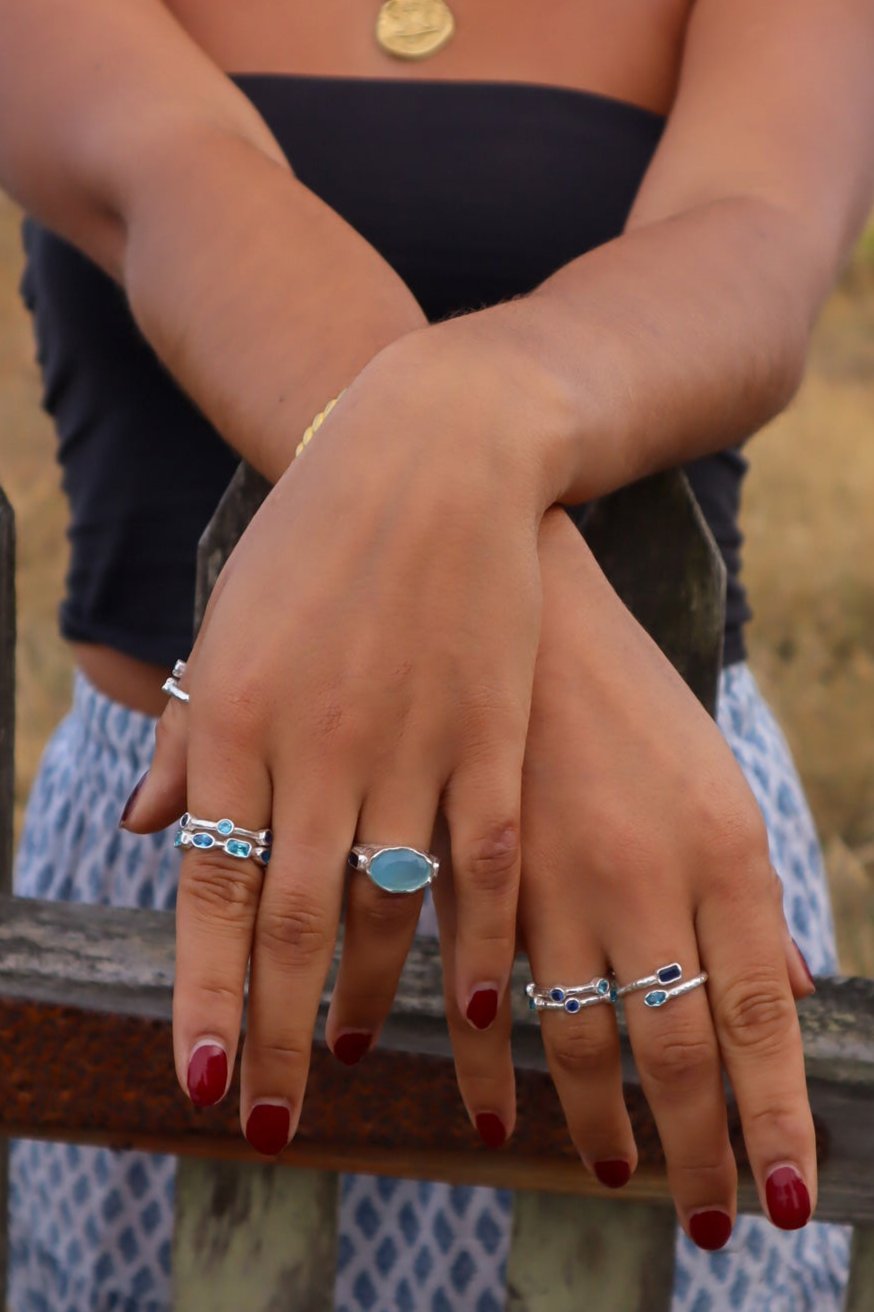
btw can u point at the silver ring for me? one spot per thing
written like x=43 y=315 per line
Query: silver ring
x=395 y=869
x=171 y=684
x=670 y=974
x=226 y=829
x=241 y=848
x=661 y=986
x=570 y=997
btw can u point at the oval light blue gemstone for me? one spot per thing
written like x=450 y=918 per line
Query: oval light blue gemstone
x=203 y=840
x=603 y=987
x=669 y=974
x=572 y=1005
x=400 y=870
x=238 y=847
x=655 y=998
x=225 y=827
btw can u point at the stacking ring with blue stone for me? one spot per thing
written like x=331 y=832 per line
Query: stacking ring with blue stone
x=244 y=844
x=664 y=984
x=395 y=869
x=171 y=684
x=569 y=997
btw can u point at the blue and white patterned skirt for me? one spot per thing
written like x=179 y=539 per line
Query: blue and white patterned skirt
x=91 y=1229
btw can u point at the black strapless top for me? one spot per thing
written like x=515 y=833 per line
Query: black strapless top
x=473 y=191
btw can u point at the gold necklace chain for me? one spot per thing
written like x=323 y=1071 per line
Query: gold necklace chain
x=414 y=29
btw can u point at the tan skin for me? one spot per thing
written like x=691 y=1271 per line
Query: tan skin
x=554 y=716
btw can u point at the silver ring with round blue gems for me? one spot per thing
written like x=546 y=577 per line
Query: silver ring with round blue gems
x=241 y=848
x=666 y=983
x=569 y=997
x=226 y=829
x=395 y=869
x=171 y=684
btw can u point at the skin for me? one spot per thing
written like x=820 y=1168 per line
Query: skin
x=567 y=763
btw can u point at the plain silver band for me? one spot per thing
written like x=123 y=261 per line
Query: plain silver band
x=190 y=824
x=261 y=854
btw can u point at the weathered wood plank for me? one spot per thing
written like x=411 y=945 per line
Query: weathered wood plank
x=7 y=770
x=572 y=1253
x=82 y=1072
x=253 y=1237
x=860 y=1295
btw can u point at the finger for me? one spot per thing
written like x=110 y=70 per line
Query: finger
x=379 y=925
x=582 y=1048
x=294 y=937
x=483 y=1060
x=760 y=1040
x=159 y=797
x=482 y=805
x=677 y=1057
x=215 y=911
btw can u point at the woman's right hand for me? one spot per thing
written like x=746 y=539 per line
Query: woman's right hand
x=643 y=845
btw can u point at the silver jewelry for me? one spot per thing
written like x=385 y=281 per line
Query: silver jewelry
x=241 y=848
x=226 y=829
x=395 y=869
x=662 y=986
x=171 y=684
x=569 y=997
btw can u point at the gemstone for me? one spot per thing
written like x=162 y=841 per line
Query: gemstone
x=186 y=820
x=400 y=870
x=669 y=974
x=614 y=996
x=557 y=995
x=572 y=1005
x=603 y=987
x=177 y=841
x=203 y=840
x=268 y=837
x=225 y=827
x=656 y=998
x=354 y=860
x=532 y=1005
x=238 y=847
x=265 y=856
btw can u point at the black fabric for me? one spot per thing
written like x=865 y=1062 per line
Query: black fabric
x=474 y=192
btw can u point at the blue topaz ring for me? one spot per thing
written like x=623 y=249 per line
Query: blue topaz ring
x=171 y=684
x=395 y=869
x=224 y=834
x=226 y=829
x=569 y=997
x=666 y=983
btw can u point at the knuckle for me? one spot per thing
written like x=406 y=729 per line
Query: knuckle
x=220 y=891
x=679 y=1060
x=383 y=914
x=292 y=925
x=285 y=1051
x=492 y=860
x=581 y=1050
x=757 y=1013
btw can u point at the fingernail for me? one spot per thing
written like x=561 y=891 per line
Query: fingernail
x=483 y=1008
x=268 y=1127
x=207 y=1074
x=131 y=801
x=710 y=1229
x=490 y=1129
x=349 y=1048
x=787 y=1197
x=805 y=965
x=614 y=1173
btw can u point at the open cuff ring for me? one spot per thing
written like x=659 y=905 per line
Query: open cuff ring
x=569 y=997
x=667 y=982
x=395 y=869
x=171 y=684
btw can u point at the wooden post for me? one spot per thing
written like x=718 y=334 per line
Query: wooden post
x=259 y=1238
x=7 y=778
x=572 y=1253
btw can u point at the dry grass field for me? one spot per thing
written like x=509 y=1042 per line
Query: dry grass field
x=809 y=566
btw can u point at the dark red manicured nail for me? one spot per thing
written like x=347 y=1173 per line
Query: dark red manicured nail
x=490 y=1129
x=207 y=1074
x=350 y=1048
x=267 y=1127
x=787 y=1198
x=710 y=1229
x=613 y=1173
x=805 y=965
x=131 y=801
x=483 y=1008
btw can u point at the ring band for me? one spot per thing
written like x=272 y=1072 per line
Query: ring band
x=395 y=869
x=171 y=684
x=569 y=997
x=226 y=828
x=666 y=983
x=240 y=848
x=670 y=974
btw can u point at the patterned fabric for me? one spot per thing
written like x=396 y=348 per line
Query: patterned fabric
x=91 y=1230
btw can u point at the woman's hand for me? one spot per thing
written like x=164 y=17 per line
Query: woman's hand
x=642 y=845
x=367 y=656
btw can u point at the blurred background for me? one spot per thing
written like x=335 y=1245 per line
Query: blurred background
x=809 y=567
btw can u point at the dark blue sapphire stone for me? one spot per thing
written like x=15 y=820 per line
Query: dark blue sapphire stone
x=669 y=974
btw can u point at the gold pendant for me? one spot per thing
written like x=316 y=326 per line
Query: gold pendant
x=414 y=29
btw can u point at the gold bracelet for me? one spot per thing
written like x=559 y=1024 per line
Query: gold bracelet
x=316 y=425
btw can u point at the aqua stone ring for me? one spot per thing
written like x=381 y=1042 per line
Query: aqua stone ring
x=395 y=869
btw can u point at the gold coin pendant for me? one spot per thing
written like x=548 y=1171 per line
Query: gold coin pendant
x=414 y=29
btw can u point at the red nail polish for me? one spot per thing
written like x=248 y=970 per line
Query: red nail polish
x=207 y=1075
x=483 y=1008
x=490 y=1129
x=129 y=804
x=350 y=1048
x=268 y=1127
x=614 y=1173
x=787 y=1198
x=805 y=965
x=710 y=1229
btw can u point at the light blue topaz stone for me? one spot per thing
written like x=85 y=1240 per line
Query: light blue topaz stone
x=203 y=840
x=656 y=998
x=238 y=847
x=602 y=987
x=395 y=869
x=225 y=827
